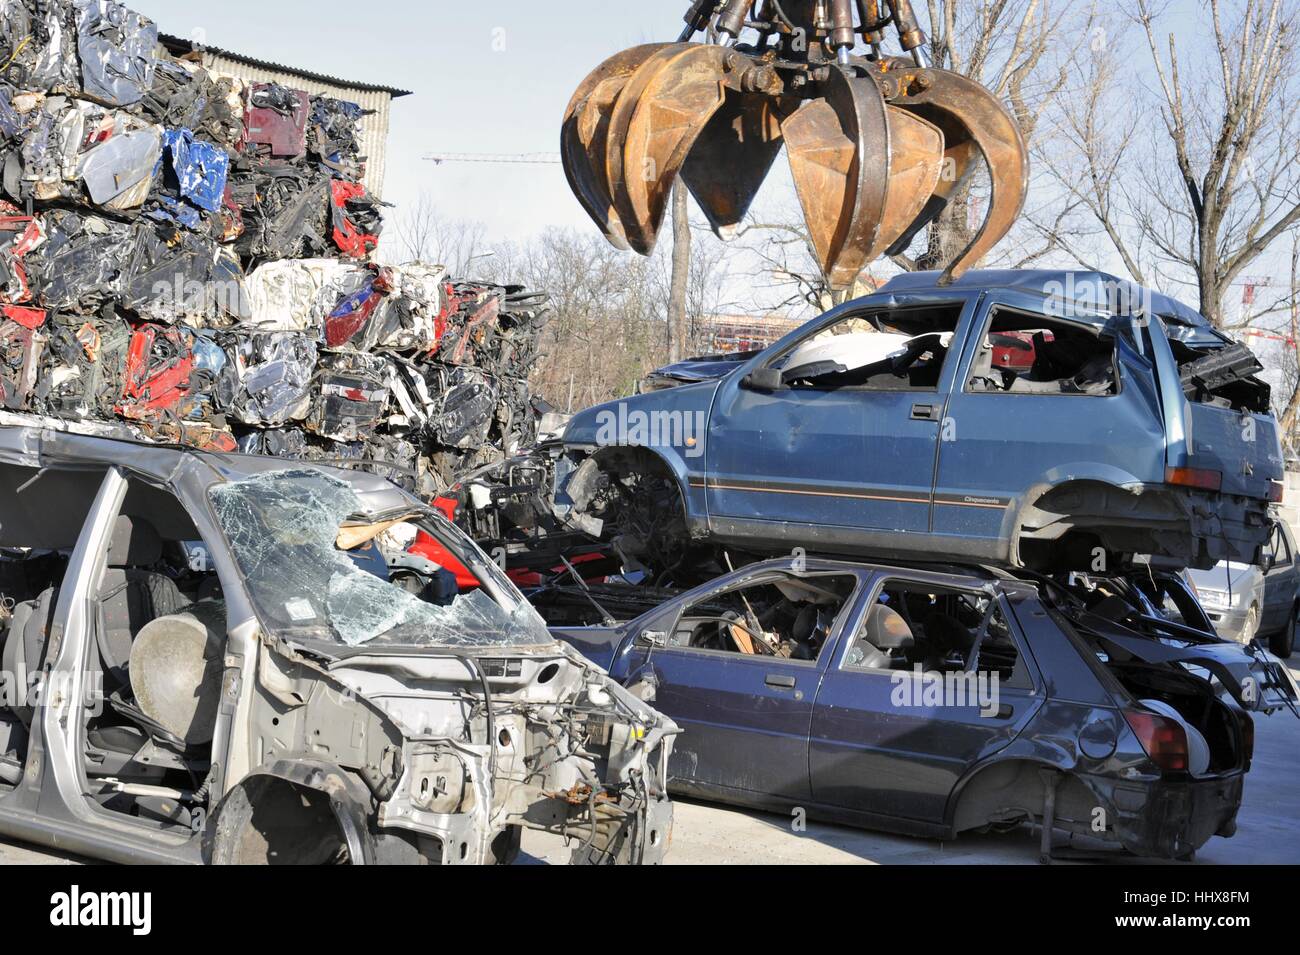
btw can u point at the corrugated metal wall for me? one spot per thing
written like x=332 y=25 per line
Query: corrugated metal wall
x=375 y=126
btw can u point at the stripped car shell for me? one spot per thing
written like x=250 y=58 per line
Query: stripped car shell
x=349 y=732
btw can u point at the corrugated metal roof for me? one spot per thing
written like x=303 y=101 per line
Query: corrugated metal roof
x=179 y=46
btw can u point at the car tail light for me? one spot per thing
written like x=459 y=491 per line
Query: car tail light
x=1199 y=478
x=1163 y=739
x=1276 y=491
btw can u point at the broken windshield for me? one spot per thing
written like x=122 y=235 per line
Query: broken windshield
x=284 y=529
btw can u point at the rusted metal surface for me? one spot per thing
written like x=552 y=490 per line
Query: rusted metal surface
x=878 y=145
x=586 y=131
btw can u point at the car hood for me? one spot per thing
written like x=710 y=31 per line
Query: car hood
x=703 y=368
x=1227 y=575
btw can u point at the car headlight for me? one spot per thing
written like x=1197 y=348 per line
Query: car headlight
x=1216 y=599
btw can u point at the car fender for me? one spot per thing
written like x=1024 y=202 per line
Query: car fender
x=671 y=426
x=349 y=800
x=1038 y=744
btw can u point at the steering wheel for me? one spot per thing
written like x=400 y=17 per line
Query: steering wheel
x=757 y=640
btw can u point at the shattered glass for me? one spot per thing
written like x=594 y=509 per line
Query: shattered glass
x=283 y=526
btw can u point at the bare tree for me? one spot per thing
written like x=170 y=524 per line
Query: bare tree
x=681 y=274
x=425 y=236
x=1006 y=45
x=1202 y=189
x=1288 y=409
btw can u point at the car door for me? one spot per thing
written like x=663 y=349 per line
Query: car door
x=884 y=742
x=1279 y=581
x=745 y=718
x=1012 y=433
x=852 y=456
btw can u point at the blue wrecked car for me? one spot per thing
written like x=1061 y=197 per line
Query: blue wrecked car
x=1041 y=419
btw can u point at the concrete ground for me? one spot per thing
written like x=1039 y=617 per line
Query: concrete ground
x=1268 y=828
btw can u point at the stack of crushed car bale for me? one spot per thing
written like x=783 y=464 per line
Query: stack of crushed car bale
x=191 y=257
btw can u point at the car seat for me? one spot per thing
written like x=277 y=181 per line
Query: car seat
x=132 y=594
x=884 y=641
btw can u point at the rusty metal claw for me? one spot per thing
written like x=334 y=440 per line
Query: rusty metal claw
x=660 y=114
x=863 y=171
x=973 y=120
x=734 y=155
x=585 y=133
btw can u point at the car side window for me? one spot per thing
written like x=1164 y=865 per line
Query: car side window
x=1024 y=353
x=888 y=350
x=789 y=618
x=922 y=628
x=1280 y=551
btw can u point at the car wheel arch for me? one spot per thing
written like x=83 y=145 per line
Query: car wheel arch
x=1006 y=782
x=1049 y=503
x=344 y=793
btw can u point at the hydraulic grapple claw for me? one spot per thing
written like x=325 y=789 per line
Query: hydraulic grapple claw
x=878 y=146
x=973 y=121
x=585 y=134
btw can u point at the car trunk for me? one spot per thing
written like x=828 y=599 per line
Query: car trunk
x=1217 y=412
x=1212 y=685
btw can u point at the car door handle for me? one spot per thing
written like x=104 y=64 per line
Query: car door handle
x=1005 y=712
x=925 y=412
x=779 y=681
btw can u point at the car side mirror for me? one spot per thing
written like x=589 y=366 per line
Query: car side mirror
x=652 y=638
x=1266 y=563
x=763 y=379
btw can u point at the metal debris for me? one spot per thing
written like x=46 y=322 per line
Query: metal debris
x=190 y=258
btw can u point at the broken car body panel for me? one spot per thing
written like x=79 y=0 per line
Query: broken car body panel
x=858 y=723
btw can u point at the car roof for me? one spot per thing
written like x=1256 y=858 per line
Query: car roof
x=1084 y=287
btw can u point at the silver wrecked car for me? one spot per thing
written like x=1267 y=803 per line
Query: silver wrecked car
x=227 y=659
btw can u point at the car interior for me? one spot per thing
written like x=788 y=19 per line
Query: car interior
x=154 y=676
x=1025 y=353
x=151 y=576
x=788 y=617
x=912 y=625
x=915 y=366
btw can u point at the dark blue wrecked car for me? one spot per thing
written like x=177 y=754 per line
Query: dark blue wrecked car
x=935 y=701
x=1049 y=420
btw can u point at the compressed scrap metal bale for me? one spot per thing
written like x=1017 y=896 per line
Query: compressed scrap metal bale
x=190 y=257
x=38 y=44
x=76 y=150
x=116 y=49
x=295 y=295
x=83 y=366
x=268 y=381
x=275 y=122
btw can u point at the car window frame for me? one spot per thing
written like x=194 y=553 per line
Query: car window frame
x=980 y=336
x=877 y=587
x=766 y=578
x=962 y=303
x=1281 y=545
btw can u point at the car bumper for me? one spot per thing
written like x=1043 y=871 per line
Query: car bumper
x=1230 y=624
x=1168 y=819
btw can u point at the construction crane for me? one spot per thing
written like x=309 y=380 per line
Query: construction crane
x=527 y=159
